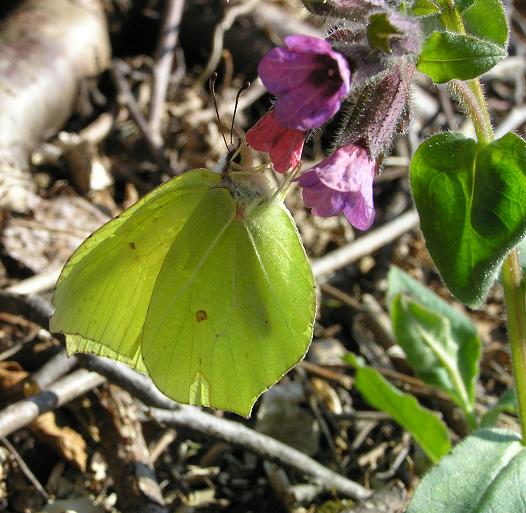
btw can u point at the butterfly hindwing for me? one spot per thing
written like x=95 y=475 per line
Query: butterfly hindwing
x=233 y=307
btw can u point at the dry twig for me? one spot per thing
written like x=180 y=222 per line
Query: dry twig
x=365 y=245
x=129 y=100
x=20 y=414
x=163 y=66
x=219 y=34
x=127 y=454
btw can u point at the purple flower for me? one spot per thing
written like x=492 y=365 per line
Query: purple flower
x=309 y=80
x=284 y=145
x=343 y=182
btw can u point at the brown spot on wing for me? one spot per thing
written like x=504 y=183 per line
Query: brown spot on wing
x=201 y=315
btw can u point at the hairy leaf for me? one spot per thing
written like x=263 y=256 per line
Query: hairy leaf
x=461 y=338
x=446 y=56
x=435 y=356
x=487 y=19
x=486 y=473
x=471 y=206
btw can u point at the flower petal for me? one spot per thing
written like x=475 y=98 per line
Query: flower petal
x=309 y=80
x=307 y=44
x=359 y=209
x=349 y=168
x=322 y=201
x=286 y=152
x=282 y=71
x=283 y=144
x=262 y=136
x=308 y=112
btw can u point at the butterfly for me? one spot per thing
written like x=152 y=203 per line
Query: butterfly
x=203 y=284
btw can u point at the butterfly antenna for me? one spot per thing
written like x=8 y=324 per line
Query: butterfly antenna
x=239 y=93
x=211 y=86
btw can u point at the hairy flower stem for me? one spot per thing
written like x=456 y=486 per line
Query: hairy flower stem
x=475 y=107
x=471 y=96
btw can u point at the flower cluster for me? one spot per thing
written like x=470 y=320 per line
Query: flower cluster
x=311 y=79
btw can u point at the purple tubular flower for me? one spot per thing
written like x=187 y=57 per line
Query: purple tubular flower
x=309 y=80
x=343 y=182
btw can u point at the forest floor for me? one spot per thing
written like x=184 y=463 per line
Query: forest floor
x=97 y=449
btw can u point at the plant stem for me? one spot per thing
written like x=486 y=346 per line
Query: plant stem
x=516 y=306
x=472 y=97
x=478 y=112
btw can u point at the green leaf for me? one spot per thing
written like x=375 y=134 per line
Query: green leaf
x=380 y=31
x=487 y=20
x=204 y=283
x=435 y=356
x=462 y=4
x=446 y=56
x=507 y=403
x=399 y=282
x=425 y=427
x=425 y=8
x=486 y=473
x=471 y=206
x=460 y=336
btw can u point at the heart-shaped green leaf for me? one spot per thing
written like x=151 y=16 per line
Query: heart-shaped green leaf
x=446 y=56
x=472 y=207
x=486 y=473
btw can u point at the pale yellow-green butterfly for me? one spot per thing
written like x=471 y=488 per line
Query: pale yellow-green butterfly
x=203 y=284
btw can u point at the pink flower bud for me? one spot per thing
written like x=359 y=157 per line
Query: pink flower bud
x=284 y=145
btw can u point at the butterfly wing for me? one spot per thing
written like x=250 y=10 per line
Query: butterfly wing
x=104 y=290
x=233 y=307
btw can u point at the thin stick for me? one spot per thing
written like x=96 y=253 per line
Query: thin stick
x=365 y=245
x=141 y=387
x=263 y=445
x=41 y=282
x=21 y=413
x=137 y=384
x=136 y=114
x=219 y=34
x=25 y=468
x=126 y=452
x=50 y=372
x=513 y=121
x=163 y=66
